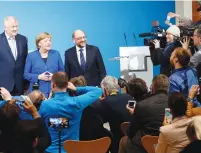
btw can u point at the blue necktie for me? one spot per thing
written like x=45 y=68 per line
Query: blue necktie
x=82 y=61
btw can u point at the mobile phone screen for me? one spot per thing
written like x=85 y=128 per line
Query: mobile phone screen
x=58 y=122
x=168 y=115
x=131 y=103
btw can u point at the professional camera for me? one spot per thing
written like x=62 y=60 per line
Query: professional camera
x=159 y=35
x=187 y=31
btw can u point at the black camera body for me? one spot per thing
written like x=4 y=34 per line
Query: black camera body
x=186 y=31
x=159 y=34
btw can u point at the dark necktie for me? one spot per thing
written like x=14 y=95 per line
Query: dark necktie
x=82 y=61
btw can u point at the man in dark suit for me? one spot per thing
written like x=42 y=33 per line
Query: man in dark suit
x=147 y=117
x=86 y=60
x=13 y=52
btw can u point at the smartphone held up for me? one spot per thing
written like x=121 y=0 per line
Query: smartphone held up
x=131 y=103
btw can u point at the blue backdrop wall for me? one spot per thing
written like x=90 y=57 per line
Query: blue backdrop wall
x=104 y=23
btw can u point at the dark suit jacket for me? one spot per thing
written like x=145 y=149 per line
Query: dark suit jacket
x=159 y=57
x=11 y=73
x=147 y=119
x=95 y=129
x=95 y=69
x=113 y=110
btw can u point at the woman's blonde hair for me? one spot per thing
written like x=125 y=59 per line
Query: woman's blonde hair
x=42 y=36
x=193 y=130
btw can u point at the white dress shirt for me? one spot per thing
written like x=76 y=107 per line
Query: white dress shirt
x=13 y=45
x=78 y=53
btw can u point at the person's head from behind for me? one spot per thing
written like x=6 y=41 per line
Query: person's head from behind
x=12 y=110
x=26 y=137
x=197 y=36
x=59 y=82
x=11 y=26
x=160 y=83
x=178 y=104
x=193 y=130
x=79 y=38
x=109 y=85
x=180 y=57
x=137 y=88
x=77 y=82
x=36 y=97
x=43 y=41
x=172 y=33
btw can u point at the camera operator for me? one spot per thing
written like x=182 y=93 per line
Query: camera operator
x=162 y=56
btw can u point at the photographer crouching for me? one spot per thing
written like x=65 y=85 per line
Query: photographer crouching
x=162 y=56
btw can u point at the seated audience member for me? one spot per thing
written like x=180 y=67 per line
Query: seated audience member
x=147 y=117
x=173 y=138
x=183 y=76
x=137 y=88
x=23 y=136
x=36 y=97
x=191 y=95
x=113 y=109
x=194 y=134
x=42 y=64
x=63 y=111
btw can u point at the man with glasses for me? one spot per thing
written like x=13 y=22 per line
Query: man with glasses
x=196 y=57
x=85 y=60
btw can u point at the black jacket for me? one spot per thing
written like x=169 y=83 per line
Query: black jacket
x=95 y=68
x=147 y=119
x=113 y=110
x=162 y=57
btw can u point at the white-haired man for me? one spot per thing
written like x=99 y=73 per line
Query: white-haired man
x=113 y=109
x=13 y=52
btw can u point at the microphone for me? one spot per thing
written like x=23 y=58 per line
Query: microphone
x=135 y=38
x=148 y=34
x=125 y=39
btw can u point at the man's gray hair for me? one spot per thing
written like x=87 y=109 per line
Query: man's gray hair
x=110 y=84
x=7 y=18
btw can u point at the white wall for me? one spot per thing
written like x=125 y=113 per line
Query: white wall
x=184 y=8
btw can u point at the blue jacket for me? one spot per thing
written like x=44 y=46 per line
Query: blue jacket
x=23 y=114
x=35 y=65
x=64 y=108
x=182 y=80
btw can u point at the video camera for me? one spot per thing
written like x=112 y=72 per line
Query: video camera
x=159 y=35
x=187 y=31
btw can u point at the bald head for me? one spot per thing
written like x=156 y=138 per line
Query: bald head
x=79 y=38
x=11 y=26
x=36 y=97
